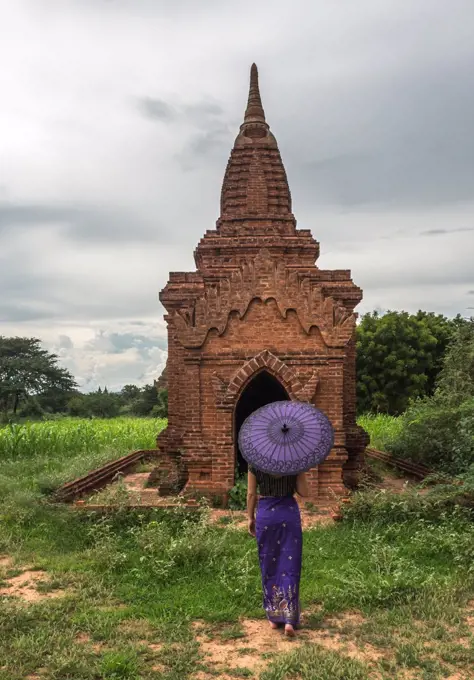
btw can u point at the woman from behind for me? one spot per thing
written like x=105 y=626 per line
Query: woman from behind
x=277 y=528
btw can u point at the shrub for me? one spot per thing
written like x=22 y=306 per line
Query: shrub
x=238 y=494
x=437 y=434
x=439 y=503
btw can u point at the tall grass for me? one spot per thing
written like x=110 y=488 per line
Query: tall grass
x=40 y=456
x=382 y=429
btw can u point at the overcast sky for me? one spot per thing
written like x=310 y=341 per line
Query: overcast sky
x=117 y=118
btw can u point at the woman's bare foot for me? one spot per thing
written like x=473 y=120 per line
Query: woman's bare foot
x=289 y=630
x=273 y=625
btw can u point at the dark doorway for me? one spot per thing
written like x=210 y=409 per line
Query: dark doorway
x=262 y=389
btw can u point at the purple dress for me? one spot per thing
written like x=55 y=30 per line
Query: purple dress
x=280 y=544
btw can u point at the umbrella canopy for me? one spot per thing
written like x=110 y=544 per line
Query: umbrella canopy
x=286 y=437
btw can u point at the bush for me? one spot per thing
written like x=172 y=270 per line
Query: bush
x=455 y=382
x=437 y=504
x=437 y=431
x=31 y=409
x=238 y=494
x=166 y=545
x=436 y=434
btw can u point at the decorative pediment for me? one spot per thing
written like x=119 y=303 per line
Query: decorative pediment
x=296 y=387
x=265 y=278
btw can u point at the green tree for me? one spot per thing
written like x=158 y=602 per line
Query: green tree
x=103 y=404
x=146 y=401
x=160 y=410
x=129 y=393
x=78 y=406
x=399 y=356
x=455 y=382
x=28 y=370
x=55 y=401
x=444 y=330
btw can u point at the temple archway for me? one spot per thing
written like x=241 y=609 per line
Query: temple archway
x=261 y=390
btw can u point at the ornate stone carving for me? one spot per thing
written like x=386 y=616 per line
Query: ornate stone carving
x=264 y=278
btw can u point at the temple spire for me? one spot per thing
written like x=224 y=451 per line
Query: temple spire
x=254 y=112
x=255 y=186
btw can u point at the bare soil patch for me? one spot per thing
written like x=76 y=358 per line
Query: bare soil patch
x=25 y=586
x=85 y=639
x=259 y=642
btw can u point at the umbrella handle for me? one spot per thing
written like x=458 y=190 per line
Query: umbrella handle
x=285 y=428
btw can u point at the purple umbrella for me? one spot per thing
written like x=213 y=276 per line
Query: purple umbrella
x=286 y=437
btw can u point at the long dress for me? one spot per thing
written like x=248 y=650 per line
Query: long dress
x=280 y=545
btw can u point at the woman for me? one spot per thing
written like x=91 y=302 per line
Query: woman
x=279 y=538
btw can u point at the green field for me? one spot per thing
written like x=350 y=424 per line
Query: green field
x=38 y=457
x=131 y=586
x=381 y=428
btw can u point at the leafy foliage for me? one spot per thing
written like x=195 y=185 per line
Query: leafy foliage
x=438 y=431
x=437 y=434
x=455 y=382
x=132 y=400
x=32 y=385
x=439 y=503
x=26 y=369
x=238 y=494
x=399 y=356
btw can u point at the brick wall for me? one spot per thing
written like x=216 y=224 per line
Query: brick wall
x=257 y=302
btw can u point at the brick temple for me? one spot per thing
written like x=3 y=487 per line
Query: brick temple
x=256 y=322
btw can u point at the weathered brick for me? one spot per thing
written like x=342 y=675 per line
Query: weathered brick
x=255 y=303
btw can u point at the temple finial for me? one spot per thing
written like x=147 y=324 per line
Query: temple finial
x=254 y=112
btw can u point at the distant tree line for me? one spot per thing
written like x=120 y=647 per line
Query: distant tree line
x=32 y=385
x=130 y=401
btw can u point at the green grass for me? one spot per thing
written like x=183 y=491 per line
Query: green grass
x=38 y=457
x=135 y=582
x=382 y=429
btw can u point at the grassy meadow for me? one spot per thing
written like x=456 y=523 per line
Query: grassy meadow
x=147 y=594
x=37 y=457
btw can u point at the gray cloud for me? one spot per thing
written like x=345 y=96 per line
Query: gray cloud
x=79 y=222
x=114 y=157
x=201 y=114
x=436 y=232
x=65 y=342
x=400 y=138
x=156 y=109
x=214 y=135
x=22 y=312
x=202 y=144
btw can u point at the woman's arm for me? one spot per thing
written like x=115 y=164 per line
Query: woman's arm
x=302 y=485
x=251 y=501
